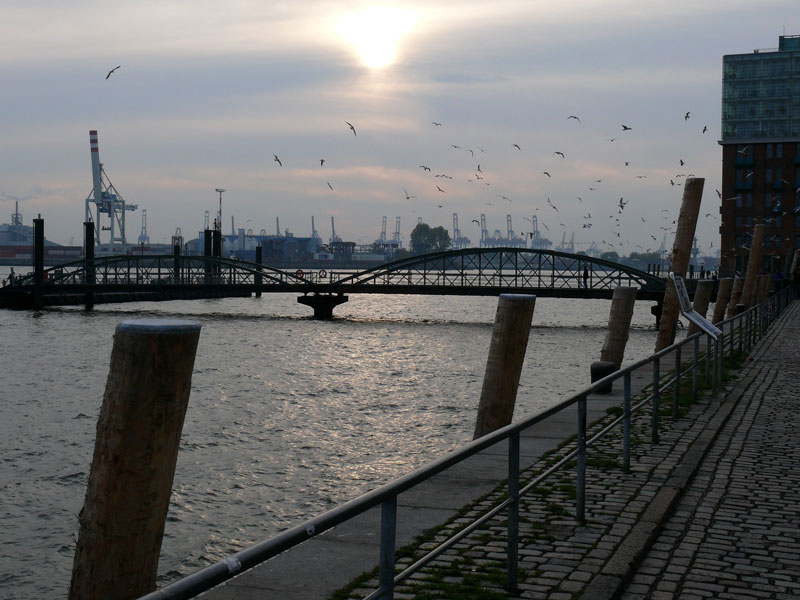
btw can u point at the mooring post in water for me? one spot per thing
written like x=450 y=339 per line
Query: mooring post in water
x=259 y=261
x=38 y=262
x=702 y=296
x=736 y=294
x=89 y=276
x=755 y=262
x=723 y=295
x=512 y=326
x=138 y=432
x=619 y=325
x=681 y=252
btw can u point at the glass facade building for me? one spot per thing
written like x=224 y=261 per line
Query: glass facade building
x=760 y=157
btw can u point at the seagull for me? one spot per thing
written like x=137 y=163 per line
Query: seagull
x=579 y=199
x=440 y=189
x=425 y=167
x=504 y=197
x=705 y=128
x=329 y=185
x=561 y=154
x=686 y=116
x=407 y=196
x=350 y=125
x=681 y=160
x=743 y=151
x=627 y=163
x=112 y=70
x=546 y=173
x=626 y=128
x=476 y=221
x=719 y=194
x=516 y=146
x=573 y=117
x=641 y=177
x=436 y=123
x=611 y=139
x=277 y=160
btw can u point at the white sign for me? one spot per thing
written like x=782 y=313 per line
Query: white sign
x=689 y=312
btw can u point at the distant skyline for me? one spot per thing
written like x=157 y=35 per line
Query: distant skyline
x=206 y=95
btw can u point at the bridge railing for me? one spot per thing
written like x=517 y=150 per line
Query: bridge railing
x=740 y=334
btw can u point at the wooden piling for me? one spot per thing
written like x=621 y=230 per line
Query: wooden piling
x=89 y=277
x=681 y=253
x=38 y=263
x=619 y=325
x=138 y=432
x=764 y=285
x=512 y=326
x=723 y=295
x=755 y=263
x=702 y=296
x=736 y=294
x=794 y=270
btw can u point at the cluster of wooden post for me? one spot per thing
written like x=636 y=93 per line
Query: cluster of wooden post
x=136 y=449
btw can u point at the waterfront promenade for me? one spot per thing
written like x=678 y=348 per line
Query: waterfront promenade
x=709 y=511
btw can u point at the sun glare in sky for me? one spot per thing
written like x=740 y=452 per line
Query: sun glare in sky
x=376 y=32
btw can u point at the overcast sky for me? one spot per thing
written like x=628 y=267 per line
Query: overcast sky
x=207 y=93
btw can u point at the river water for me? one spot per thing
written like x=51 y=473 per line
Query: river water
x=287 y=418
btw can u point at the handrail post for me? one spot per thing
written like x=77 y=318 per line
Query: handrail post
x=656 y=396
x=512 y=550
x=708 y=360
x=718 y=347
x=695 y=360
x=626 y=423
x=580 y=496
x=676 y=385
x=388 y=542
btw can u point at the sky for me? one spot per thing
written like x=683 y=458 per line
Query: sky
x=207 y=94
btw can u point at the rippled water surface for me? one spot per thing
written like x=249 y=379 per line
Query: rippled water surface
x=287 y=417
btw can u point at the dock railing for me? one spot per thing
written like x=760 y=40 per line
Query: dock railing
x=740 y=334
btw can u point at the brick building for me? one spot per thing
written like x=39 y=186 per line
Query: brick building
x=761 y=154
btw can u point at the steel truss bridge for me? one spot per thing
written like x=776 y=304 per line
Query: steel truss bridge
x=467 y=272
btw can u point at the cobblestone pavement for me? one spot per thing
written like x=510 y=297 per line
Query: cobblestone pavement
x=734 y=533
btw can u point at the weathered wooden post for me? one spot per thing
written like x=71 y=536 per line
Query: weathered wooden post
x=755 y=262
x=723 y=295
x=512 y=326
x=38 y=262
x=794 y=270
x=736 y=294
x=764 y=285
x=681 y=253
x=702 y=296
x=619 y=325
x=138 y=432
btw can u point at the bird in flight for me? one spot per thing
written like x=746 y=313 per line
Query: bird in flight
x=682 y=163
x=561 y=154
x=321 y=161
x=546 y=173
x=516 y=146
x=686 y=116
x=476 y=221
x=504 y=197
x=436 y=123
x=277 y=160
x=407 y=196
x=425 y=167
x=705 y=128
x=350 y=125
x=440 y=189
x=329 y=185
x=573 y=117
x=112 y=70
x=612 y=139
x=626 y=128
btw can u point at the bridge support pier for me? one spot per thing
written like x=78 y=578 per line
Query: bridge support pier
x=323 y=304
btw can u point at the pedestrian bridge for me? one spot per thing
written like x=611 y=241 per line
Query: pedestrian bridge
x=468 y=272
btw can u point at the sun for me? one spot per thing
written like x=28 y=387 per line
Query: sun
x=376 y=32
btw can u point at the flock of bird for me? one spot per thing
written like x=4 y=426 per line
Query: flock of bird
x=479 y=176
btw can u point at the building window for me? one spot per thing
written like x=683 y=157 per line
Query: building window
x=769 y=150
x=769 y=175
x=739 y=199
x=748 y=221
x=797 y=241
x=778 y=221
x=738 y=221
x=779 y=147
x=748 y=200
x=779 y=175
x=738 y=241
x=767 y=200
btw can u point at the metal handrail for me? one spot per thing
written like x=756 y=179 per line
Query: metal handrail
x=750 y=325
